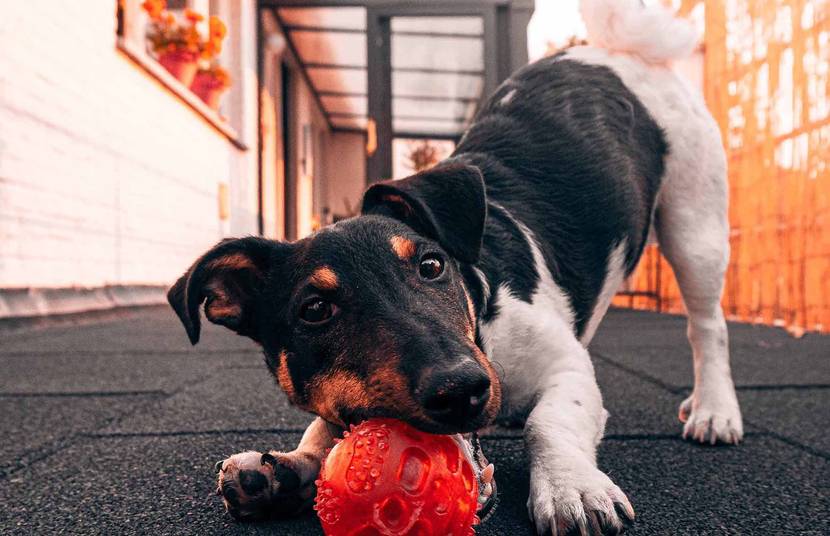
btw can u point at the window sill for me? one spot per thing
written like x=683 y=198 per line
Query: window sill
x=154 y=69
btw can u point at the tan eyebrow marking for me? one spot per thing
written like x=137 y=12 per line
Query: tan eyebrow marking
x=324 y=278
x=404 y=248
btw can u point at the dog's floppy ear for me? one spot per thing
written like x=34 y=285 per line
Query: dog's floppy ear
x=227 y=279
x=446 y=203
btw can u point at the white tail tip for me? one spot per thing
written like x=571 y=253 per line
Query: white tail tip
x=653 y=33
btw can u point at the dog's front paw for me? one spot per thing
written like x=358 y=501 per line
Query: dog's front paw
x=256 y=486
x=584 y=502
x=713 y=417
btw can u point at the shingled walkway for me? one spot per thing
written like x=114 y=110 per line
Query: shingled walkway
x=112 y=427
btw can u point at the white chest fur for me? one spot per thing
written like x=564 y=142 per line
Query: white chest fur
x=529 y=342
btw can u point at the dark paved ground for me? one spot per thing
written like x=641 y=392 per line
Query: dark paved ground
x=112 y=427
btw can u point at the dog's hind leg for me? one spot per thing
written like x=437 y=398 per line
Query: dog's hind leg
x=691 y=218
x=255 y=486
x=693 y=232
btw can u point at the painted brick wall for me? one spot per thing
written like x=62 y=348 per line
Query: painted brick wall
x=105 y=176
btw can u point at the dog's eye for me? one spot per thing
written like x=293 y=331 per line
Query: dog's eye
x=316 y=311
x=431 y=267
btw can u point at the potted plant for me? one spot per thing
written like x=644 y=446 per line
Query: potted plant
x=176 y=44
x=210 y=83
x=422 y=155
x=211 y=79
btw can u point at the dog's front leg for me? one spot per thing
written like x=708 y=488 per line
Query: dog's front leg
x=568 y=493
x=254 y=485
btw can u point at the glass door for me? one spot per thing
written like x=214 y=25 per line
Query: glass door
x=428 y=71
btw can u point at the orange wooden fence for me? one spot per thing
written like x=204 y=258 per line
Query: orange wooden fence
x=766 y=81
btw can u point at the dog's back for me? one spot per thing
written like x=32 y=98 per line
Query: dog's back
x=567 y=148
x=578 y=144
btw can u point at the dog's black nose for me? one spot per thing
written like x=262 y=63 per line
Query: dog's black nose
x=453 y=396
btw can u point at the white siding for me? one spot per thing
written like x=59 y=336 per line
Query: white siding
x=106 y=177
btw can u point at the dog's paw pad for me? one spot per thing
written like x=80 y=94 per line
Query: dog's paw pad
x=255 y=486
x=246 y=485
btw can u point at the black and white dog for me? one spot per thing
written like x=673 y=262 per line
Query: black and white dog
x=508 y=252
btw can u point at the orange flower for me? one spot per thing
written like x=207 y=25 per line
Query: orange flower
x=154 y=8
x=210 y=50
x=216 y=33
x=222 y=76
x=192 y=40
x=193 y=16
x=217 y=28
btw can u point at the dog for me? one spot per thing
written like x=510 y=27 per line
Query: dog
x=505 y=256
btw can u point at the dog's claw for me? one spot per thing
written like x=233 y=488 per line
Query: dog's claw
x=582 y=526
x=625 y=512
x=712 y=420
x=601 y=524
x=591 y=505
x=218 y=466
x=487 y=473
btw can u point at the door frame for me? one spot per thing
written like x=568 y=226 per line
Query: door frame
x=379 y=67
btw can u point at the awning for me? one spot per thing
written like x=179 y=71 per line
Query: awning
x=437 y=67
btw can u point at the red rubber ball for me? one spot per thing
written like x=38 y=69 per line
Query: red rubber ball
x=388 y=478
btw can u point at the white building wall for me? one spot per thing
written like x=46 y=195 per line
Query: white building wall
x=106 y=177
x=241 y=107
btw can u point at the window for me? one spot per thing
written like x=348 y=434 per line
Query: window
x=410 y=156
x=179 y=42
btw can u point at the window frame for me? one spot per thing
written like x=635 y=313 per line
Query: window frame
x=131 y=42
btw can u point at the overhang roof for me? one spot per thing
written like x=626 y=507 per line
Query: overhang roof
x=437 y=66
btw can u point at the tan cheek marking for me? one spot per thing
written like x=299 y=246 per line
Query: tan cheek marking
x=284 y=377
x=324 y=278
x=404 y=248
x=338 y=390
x=494 y=404
x=471 y=310
x=390 y=389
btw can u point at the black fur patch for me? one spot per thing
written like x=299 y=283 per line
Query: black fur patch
x=252 y=482
x=513 y=265
x=576 y=158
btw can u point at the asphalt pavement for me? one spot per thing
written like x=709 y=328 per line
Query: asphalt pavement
x=112 y=424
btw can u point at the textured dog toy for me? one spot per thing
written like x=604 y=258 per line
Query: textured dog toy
x=386 y=477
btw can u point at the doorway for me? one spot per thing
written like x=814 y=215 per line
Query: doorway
x=430 y=66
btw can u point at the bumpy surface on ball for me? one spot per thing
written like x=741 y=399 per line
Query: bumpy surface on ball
x=388 y=478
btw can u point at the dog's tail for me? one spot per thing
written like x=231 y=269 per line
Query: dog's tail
x=653 y=33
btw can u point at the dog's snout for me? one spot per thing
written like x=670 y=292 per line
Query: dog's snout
x=455 y=395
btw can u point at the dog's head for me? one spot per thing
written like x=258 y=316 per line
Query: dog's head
x=369 y=317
